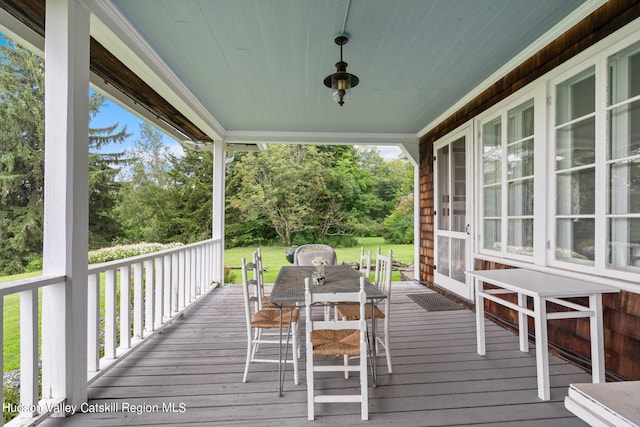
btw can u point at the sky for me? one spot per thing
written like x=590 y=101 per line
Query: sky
x=112 y=113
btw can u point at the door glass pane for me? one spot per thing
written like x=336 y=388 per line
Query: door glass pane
x=442 y=158
x=575 y=240
x=459 y=184
x=443 y=255
x=458 y=259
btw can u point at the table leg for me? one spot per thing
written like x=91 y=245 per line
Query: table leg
x=480 y=338
x=372 y=349
x=597 y=338
x=523 y=325
x=282 y=364
x=542 y=348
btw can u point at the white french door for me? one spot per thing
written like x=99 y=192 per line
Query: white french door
x=452 y=197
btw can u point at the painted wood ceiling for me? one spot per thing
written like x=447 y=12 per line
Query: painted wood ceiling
x=259 y=65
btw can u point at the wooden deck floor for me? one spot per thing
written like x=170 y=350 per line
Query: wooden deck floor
x=195 y=367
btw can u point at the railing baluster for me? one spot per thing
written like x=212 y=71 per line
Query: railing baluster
x=29 y=352
x=110 y=314
x=149 y=324
x=159 y=294
x=167 y=287
x=138 y=300
x=174 y=284
x=181 y=275
x=192 y=273
x=125 y=307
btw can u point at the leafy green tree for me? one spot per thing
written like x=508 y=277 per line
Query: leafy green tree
x=282 y=184
x=143 y=210
x=399 y=224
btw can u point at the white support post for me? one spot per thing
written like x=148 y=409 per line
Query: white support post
x=66 y=211
x=219 y=170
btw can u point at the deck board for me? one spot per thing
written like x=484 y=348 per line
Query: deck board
x=438 y=377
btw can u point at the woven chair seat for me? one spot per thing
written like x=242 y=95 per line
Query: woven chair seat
x=271 y=318
x=334 y=343
x=352 y=311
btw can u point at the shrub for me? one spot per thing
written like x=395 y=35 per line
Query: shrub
x=126 y=251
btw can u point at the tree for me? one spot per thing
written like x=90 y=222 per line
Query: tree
x=283 y=185
x=143 y=208
x=190 y=195
x=21 y=155
x=104 y=188
x=22 y=162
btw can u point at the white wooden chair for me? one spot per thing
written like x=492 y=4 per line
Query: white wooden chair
x=365 y=263
x=305 y=254
x=336 y=338
x=382 y=310
x=257 y=321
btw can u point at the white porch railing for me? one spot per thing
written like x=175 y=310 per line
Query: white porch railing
x=158 y=288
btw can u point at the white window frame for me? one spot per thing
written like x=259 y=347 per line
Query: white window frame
x=543 y=89
x=538 y=96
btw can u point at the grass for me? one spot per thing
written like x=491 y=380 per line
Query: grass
x=273 y=258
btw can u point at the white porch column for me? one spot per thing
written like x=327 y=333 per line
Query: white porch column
x=64 y=306
x=219 y=172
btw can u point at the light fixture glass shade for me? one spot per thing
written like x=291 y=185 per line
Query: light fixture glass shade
x=341 y=88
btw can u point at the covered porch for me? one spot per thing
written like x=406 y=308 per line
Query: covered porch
x=191 y=374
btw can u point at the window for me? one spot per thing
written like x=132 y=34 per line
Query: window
x=623 y=160
x=507 y=165
x=575 y=169
x=585 y=215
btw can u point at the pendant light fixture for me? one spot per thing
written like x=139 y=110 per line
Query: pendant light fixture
x=341 y=82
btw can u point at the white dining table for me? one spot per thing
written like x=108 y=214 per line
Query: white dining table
x=543 y=288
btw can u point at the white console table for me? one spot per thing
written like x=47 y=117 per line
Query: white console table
x=542 y=288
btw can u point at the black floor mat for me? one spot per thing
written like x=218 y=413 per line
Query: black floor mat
x=434 y=302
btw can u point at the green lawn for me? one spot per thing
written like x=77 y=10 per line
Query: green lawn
x=273 y=258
